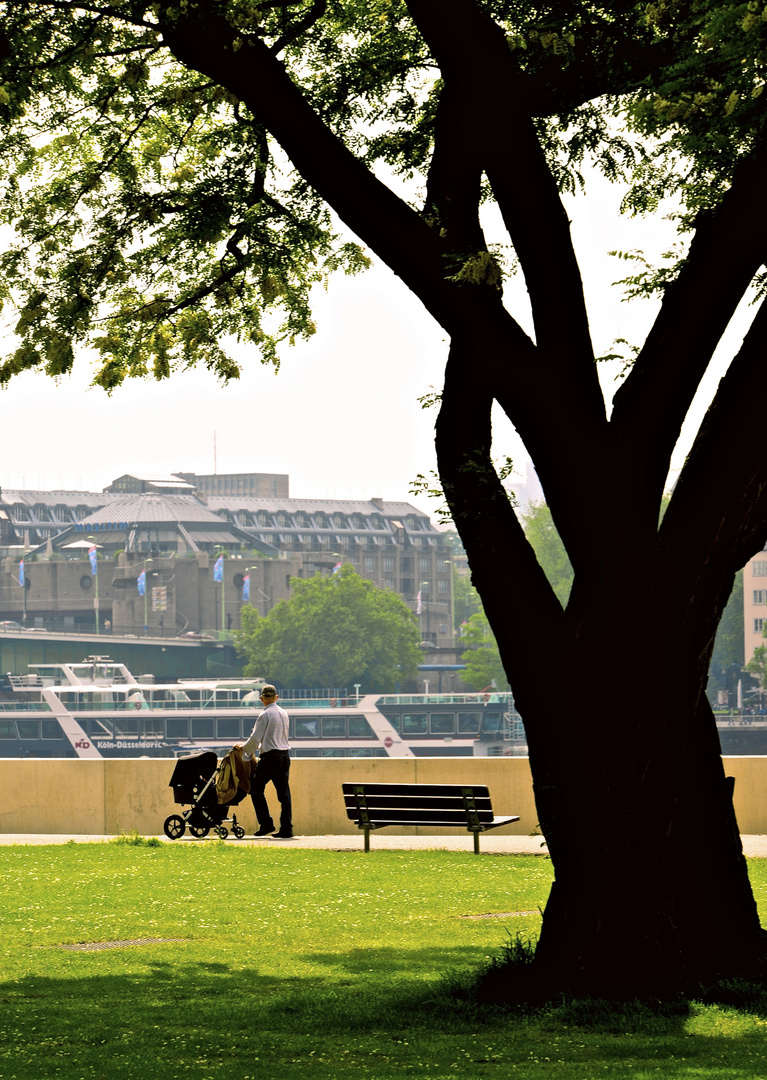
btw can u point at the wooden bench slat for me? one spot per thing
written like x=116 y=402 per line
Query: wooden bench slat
x=436 y=790
x=424 y=817
x=374 y=802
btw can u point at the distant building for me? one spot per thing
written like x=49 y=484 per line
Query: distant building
x=754 y=603
x=131 y=484
x=162 y=524
x=527 y=491
x=263 y=485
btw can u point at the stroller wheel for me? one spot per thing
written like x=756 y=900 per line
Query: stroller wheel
x=221 y=832
x=238 y=831
x=200 y=831
x=174 y=827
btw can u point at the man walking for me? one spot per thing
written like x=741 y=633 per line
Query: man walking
x=270 y=739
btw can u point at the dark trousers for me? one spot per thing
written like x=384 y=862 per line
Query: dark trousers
x=274 y=765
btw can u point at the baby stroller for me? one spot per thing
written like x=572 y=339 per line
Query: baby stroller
x=194 y=781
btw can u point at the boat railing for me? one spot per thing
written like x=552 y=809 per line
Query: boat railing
x=24 y=706
x=740 y=719
x=79 y=701
x=25 y=682
x=493 y=697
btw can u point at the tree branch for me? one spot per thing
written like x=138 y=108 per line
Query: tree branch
x=729 y=245
x=454 y=181
x=315 y=12
x=720 y=500
x=477 y=64
x=503 y=563
x=628 y=59
x=204 y=41
x=119 y=14
x=551 y=394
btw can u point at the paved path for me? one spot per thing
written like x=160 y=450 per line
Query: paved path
x=754 y=846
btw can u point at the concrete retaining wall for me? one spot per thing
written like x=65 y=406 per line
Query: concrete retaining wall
x=118 y=795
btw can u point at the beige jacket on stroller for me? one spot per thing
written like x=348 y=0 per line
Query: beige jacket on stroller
x=233 y=776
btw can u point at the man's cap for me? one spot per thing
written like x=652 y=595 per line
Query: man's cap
x=268 y=691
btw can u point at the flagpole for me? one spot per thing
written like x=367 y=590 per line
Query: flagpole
x=23 y=583
x=95 y=575
x=218 y=575
x=147 y=564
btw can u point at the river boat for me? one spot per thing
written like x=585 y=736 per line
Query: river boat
x=98 y=709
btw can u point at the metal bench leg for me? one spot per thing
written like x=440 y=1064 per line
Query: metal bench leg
x=367 y=839
x=476 y=843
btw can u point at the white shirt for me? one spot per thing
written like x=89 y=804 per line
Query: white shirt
x=270 y=732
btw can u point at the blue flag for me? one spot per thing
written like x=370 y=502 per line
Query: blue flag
x=246 y=587
x=141 y=583
x=21 y=573
x=218 y=569
x=92 y=557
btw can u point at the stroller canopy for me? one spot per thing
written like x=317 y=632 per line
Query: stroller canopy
x=196 y=767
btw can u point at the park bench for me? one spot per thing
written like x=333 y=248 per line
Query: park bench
x=444 y=806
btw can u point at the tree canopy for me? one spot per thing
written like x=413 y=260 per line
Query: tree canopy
x=757 y=665
x=333 y=632
x=481 y=657
x=170 y=171
x=545 y=541
x=729 y=647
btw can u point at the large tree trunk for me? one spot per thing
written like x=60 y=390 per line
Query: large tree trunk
x=651 y=893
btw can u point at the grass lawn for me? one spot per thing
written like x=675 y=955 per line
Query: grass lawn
x=296 y=963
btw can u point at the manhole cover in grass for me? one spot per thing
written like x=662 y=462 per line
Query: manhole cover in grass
x=499 y=914
x=95 y=946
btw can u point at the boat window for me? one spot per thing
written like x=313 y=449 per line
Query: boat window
x=442 y=723
x=98 y=728
x=28 y=729
x=359 y=728
x=51 y=729
x=395 y=720
x=334 y=727
x=202 y=727
x=153 y=727
x=306 y=729
x=468 y=722
x=7 y=729
x=127 y=725
x=366 y=751
x=229 y=727
x=414 y=723
x=177 y=727
x=332 y=751
x=491 y=722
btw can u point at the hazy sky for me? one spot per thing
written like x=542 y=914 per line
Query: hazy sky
x=341 y=416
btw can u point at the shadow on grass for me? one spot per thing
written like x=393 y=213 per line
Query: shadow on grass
x=405 y=963
x=167 y=1015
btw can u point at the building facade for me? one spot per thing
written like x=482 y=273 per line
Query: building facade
x=176 y=538
x=754 y=603
x=260 y=485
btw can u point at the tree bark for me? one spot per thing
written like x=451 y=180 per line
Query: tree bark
x=651 y=892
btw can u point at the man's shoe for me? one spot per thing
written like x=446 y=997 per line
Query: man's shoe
x=283 y=836
x=264 y=832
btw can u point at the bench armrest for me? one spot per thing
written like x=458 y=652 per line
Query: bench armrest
x=495 y=823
